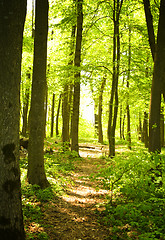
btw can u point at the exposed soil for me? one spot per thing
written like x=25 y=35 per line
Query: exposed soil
x=72 y=216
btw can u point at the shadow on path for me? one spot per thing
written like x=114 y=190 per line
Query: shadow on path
x=72 y=216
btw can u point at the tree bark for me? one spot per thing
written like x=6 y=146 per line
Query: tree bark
x=150 y=27
x=52 y=115
x=158 y=84
x=36 y=172
x=76 y=96
x=12 y=18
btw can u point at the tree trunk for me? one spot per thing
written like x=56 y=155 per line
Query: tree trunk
x=52 y=115
x=25 y=109
x=46 y=108
x=145 y=130
x=128 y=79
x=123 y=136
x=65 y=115
x=36 y=172
x=57 y=115
x=128 y=127
x=70 y=106
x=100 y=110
x=76 y=96
x=121 y=121
x=96 y=115
x=66 y=95
x=158 y=84
x=113 y=103
x=12 y=18
x=150 y=27
x=140 y=128
x=162 y=127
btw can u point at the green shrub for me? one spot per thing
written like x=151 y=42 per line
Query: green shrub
x=136 y=199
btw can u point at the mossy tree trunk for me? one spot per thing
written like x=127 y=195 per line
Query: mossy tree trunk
x=12 y=18
x=36 y=172
x=76 y=95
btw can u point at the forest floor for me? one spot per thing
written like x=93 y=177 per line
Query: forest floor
x=73 y=215
x=77 y=206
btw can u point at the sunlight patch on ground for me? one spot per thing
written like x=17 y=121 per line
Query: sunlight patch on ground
x=85 y=195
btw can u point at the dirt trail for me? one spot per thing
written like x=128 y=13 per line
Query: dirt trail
x=72 y=216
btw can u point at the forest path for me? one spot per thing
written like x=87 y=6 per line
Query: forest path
x=72 y=215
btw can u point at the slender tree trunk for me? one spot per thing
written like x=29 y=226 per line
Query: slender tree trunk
x=65 y=115
x=96 y=116
x=77 y=61
x=140 y=128
x=36 y=172
x=145 y=129
x=66 y=94
x=128 y=127
x=121 y=121
x=100 y=110
x=25 y=108
x=57 y=115
x=128 y=79
x=46 y=108
x=162 y=126
x=113 y=104
x=12 y=18
x=70 y=106
x=123 y=136
x=52 y=115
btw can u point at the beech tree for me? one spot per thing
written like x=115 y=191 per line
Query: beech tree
x=158 y=81
x=113 y=103
x=76 y=95
x=12 y=18
x=36 y=172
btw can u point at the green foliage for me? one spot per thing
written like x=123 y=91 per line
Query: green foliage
x=136 y=195
x=86 y=129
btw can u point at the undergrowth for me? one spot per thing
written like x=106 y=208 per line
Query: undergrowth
x=136 y=203
x=134 y=180
x=59 y=163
